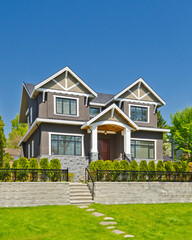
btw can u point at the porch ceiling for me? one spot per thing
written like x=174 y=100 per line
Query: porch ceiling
x=110 y=128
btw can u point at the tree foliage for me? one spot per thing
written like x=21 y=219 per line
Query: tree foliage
x=18 y=130
x=161 y=123
x=2 y=141
x=181 y=131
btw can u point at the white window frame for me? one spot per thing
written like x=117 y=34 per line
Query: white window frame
x=145 y=106
x=31 y=115
x=94 y=107
x=32 y=148
x=68 y=134
x=29 y=148
x=55 y=112
x=155 y=147
x=28 y=122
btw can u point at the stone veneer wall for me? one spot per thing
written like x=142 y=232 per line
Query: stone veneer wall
x=76 y=164
x=22 y=194
x=142 y=192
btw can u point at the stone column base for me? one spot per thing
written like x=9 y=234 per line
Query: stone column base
x=93 y=156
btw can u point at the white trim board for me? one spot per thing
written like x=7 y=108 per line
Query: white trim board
x=154 y=129
x=67 y=134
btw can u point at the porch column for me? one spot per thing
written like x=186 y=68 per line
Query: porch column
x=127 y=142
x=94 y=147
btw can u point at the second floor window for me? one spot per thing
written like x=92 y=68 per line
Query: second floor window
x=94 y=111
x=66 y=106
x=139 y=113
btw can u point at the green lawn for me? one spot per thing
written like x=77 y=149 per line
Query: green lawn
x=152 y=221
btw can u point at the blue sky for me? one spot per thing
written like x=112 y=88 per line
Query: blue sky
x=108 y=43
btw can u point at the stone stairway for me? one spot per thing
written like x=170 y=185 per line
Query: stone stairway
x=80 y=194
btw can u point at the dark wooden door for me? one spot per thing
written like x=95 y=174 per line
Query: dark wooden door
x=104 y=149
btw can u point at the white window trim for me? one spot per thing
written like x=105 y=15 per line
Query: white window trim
x=68 y=134
x=28 y=122
x=149 y=140
x=57 y=96
x=32 y=148
x=100 y=108
x=145 y=106
x=31 y=115
x=29 y=154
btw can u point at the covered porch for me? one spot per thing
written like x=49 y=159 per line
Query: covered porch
x=110 y=134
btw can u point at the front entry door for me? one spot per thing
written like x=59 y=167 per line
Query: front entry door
x=104 y=149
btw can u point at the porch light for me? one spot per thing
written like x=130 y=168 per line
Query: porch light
x=105 y=132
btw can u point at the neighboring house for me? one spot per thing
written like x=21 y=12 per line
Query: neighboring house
x=14 y=153
x=69 y=120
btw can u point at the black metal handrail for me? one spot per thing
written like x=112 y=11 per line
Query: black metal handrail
x=34 y=175
x=88 y=177
x=142 y=176
x=125 y=157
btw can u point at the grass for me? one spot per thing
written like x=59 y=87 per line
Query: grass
x=152 y=221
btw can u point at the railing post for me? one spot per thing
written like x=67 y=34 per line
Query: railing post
x=97 y=175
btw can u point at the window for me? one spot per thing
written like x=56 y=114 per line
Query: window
x=29 y=151
x=139 y=113
x=66 y=145
x=142 y=149
x=32 y=148
x=94 y=111
x=66 y=106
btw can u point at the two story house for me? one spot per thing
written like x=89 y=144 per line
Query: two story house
x=68 y=120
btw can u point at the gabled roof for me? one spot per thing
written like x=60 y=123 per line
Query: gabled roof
x=111 y=107
x=140 y=80
x=60 y=72
x=29 y=87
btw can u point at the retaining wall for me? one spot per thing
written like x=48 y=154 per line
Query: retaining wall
x=22 y=194
x=142 y=192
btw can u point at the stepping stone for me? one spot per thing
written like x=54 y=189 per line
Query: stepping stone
x=108 y=218
x=118 y=232
x=129 y=236
x=110 y=227
x=90 y=209
x=97 y=214
x=107 y=223
x=83 y=206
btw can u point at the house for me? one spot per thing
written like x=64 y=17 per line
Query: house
x=68 y=120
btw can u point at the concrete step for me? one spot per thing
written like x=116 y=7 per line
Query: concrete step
x=82 y=202
x=80 y=194
x=80 y=197
x=77 y=190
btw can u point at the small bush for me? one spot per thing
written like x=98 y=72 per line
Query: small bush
x=134 y=166
x=23 y=164
x=116 y=165
x=151 y=165
x=15 y=164
x=33 y=164
x=99 y=164
x=124 y=165
x=92 y=166
x=143 y=166
x=71 y=177
x=108 y=165
x=185 y=167
x=6 y=174
x=55 y=164
x=168 y=166
x=44 y=163
x=177 y=166
x=160 y=166
x=7 y=157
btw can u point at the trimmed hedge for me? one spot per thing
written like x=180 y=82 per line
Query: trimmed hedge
x=143 y=166
x=151 y=165
x=44 y=163
x=124 y=165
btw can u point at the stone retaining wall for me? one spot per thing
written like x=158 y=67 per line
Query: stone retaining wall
x=142 y=192
x=22 y=194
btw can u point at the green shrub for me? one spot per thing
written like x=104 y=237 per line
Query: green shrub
x=92 y=166
x=6 y=174
x=7 y=157
x=56 y=175
x=168 y=166
x=71 y=177
x=99 y=164
x=151 y=165
x=15 y=164
x=33 y=164
x=185 y=167
x=177 y=166
x=160 y=166
x=108 y=165
x=44 y=163
x=124 y=165
x=22 y=175
x=143 y=166
x=116 y=165
x=134 y=166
